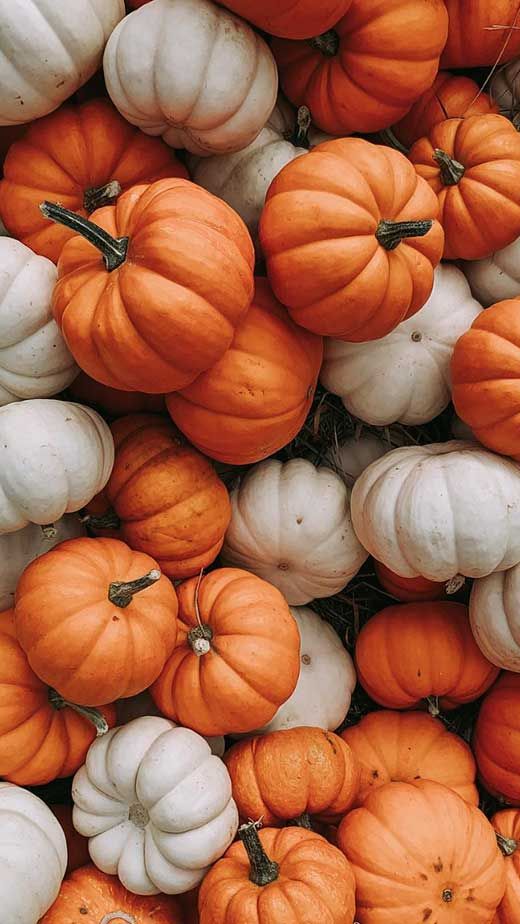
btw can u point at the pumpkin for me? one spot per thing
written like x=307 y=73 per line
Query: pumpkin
x=112 y=402
x=504 y=91
x=292 y=773
x=451 y=96
x=209 y=83
x=168 y=498
x=34 y=855
x=484 y=370
x=300 y=19
x=507 y=828
x=355 y=454
x=179 y=262
x=439 y=511
x=422 y=651
x=496 y=739
x=351 y=254
x=156 y=806
x=291 y=524
x=495 y=277
x=85 y=590
x=47 y=53
x=495 y=619
x=237 y=657
x=404 y=376
x=481 y=33
x=473 y=165
x=82 y=157
x=8 y=135
x=77 y=846
x=136 y=706
x=255 y=399
x=437 y=857
x=54 y=456
x=400 y=747
x=273 y=875
x=365 y=72
x=408 y=590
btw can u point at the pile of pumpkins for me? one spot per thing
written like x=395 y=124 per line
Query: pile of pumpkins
x=206 y=211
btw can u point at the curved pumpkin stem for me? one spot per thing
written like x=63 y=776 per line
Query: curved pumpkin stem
x=98 y=196
x=113 y=249
x=92 y=715
x=263 y=870
x=433 y=706
x=507 y=845
x=49 y=531
x=199 y=638
x=391 y=233
x=300 y=136
x=303 y=821
x=327 y=43
x=388 y=137
x=118 y=916
x=109 y=520
x=451 y=170
x=121 y=593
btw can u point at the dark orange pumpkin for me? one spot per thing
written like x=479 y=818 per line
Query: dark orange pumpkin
x=408 y=590
x=111 y=401
x=295 y=19
x=496 y=741
x=481 y=32
x=507 y=828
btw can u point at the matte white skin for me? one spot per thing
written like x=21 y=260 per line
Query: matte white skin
x=440 y=510
x=185 y=791
x=356 y=454
x=33 y=856
x=504 y=88
x=404 y=376
x=34 y=359
x=54 y=457
x=142 y=704
x=494 y=611
x=48 y=50
x=192 y=72
x=291 y=525
x=497 y=277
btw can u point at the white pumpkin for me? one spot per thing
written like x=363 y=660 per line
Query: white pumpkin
x=440 y=510
x=356 y=454
x=156 y=805
x=504 y=88
x=496 y=277
x=494 y=611
x=54 y=457
x=192 y=72
x=33 y=856
x=133 y=707
x=404 y=376
x=48 y=50
x=291 y=525
x=34 y=359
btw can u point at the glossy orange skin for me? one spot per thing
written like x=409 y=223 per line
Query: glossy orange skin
x=76 y=639
x=485 y=373
x=323 y=259
x=480 y=213
x=408 y=590
x=90 y=894
x=170 y=310
x=65 y=154
x=77 y=846
x=38 y=743
x=451 y=96
x=288 y=773
x=256 y=398
x=429 y=842
x=472 y=40
x=388 y=55
x=110 y=401
x=294 y=19
x=254 y=661
x=315 y=883
x=507 y=823
x=496 y=740
x=400 y=747
x=412 y=651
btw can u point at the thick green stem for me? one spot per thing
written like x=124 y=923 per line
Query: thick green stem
x=391 y=233
x=118 y=916
x=98 y=196
x=388 y=137
x=507 y=845
x=327 y=43
x=451 y=170
x=121 y=593
x=263 y=870
x=200 y=639
x=109 y=520
x=113 y=249
x=92 y=715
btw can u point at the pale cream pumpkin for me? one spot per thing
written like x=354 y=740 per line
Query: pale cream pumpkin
x=496 y=277
x=494 y=612
x=355 y=454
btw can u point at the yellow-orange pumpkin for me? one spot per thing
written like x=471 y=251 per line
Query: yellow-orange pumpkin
x=507 y=828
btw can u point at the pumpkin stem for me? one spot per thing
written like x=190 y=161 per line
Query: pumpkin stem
x=387 y=137
x=433 y=705
x=391 y=233
x=98 y=196
x=327 y=43
x=93 y=716
x=200 y=639
x=300 y=136
x=121 y=593
x=113 y=249
x=303 y=821
x=109 y=520
x=447 y=895
x=49 y=531
x=507 y=845
x=263 y=870
x=451 y=170
x=455 y=584
x=118 y=916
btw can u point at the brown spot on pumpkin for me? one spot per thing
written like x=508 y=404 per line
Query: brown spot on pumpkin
x=424 y=876
x=438 y=866
x=419 y=673
x=283 y=565
x=306 y=659
x=470 y=897
x=427 y=913
x=375 y=774
x=299 y=520
x=417 y=777
x=83 y=910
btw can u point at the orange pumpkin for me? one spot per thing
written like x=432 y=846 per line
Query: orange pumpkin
x=82 y=157
x=237 y=657
x=156 y=300
x=400 y=747
x=295 y=19
x=276 y=877
x=110 y=401
x=255 y=399
x=507 y=828
x=350 y=239
x=481 y=32
x=422 y=651
x=8 y=135
x=421 y=853
x=365 y=73
x=473 y=166
x=77 y=846
x=42 y=737
x=95 y=619
x=293 y=774
x=408 y=590
x=485 y=374
x=496 y=741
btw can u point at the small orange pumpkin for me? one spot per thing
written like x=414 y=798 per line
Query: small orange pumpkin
x=77 y=846
x=507 y=828
x=295 y=19
x=496 y=740
x=408 y=590
x=112 y=402
x=481 y=32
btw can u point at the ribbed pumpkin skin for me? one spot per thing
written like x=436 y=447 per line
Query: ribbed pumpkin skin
x=474 y=40
x=295 y=19
x=409 y=652
x=436 y=857
x=496 y=740
x=400 y=747
x=315 y=883
x=507 y=824
x=38 y=743
x=111 y=402
x=408 y=590
x=285 y=774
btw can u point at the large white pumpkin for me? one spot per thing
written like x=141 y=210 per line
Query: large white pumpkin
x=497 y=277
x=34 y=359
x=291 y=525
x=355 y=454
x=494 y=611
x=33 y=856
x=48 y=49
x=54 y=457
x=404 y=376
x=440 y=510
x=192 y=72
x=156 y=805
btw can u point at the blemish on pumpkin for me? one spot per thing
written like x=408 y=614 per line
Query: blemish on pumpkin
x=417 y=777
x=438 y=866
x=306 y=659
x=299 y=520
x=115 y=618
x=83 y=910
x=427 y=913
x=419 y=672
x=424 y=876
x=283 y=566
x=470 y=897
x=375 y=774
